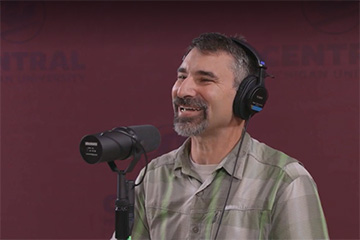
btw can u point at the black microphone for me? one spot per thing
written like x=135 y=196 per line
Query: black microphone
x=118 y=143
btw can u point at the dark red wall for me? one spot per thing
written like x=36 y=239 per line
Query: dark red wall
x=73 y=68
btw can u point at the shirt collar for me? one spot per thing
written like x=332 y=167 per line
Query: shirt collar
x=181 y=162
x=228 y=163
x=182 y=159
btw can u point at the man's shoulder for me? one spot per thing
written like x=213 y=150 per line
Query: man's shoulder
x=274 y=158
x=160 y=166
x=164 y=160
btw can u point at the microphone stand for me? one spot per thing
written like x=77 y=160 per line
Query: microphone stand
x=124 y=204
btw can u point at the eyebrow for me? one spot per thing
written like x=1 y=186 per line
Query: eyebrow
x=181 y=70
x=199 y=72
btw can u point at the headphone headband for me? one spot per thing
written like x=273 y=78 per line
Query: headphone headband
x=250 y=51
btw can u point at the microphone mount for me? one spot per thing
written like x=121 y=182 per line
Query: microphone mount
x=124 y=204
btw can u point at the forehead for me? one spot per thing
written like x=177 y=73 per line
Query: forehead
x=218 y=62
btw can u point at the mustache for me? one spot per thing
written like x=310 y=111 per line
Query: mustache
x=190 y=102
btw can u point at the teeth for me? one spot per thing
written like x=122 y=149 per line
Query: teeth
x=183 y=109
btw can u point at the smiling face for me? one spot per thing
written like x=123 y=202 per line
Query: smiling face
x=203 y=93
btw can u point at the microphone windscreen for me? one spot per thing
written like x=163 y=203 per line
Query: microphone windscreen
x=148 y=135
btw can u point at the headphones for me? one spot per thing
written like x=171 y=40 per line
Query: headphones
x=251 y=95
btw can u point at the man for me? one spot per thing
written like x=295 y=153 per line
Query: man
x=185 y=193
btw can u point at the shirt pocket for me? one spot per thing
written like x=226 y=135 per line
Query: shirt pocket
x=239 y=223
x=165 y=223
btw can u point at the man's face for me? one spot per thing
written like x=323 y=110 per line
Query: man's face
x=203 y=93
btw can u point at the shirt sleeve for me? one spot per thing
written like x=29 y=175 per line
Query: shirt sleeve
x=140 y=229
x=298 y=213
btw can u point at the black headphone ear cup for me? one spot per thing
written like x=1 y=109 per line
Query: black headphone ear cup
x=241 y=100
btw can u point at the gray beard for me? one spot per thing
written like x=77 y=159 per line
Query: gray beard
x=188 y=127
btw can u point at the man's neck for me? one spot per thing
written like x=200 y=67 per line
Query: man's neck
x=212 y=148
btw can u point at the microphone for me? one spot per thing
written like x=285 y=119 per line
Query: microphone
x=118 y=143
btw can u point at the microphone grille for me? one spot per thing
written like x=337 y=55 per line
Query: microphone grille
x=148 y=135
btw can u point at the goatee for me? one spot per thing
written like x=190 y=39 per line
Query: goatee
x=190 y=126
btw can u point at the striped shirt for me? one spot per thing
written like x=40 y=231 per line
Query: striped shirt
x=272 y=197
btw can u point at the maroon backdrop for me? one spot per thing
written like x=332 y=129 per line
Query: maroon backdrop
x=73 y=68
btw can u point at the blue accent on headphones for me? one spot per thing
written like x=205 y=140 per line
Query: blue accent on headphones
x=256 y=108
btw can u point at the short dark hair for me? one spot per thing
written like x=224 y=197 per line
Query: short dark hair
x=214 y=42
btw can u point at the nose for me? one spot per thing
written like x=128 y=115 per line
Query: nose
x=184 y=88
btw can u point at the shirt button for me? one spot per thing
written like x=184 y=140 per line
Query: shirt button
x=195 y=229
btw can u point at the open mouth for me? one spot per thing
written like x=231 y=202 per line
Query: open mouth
x=185 y=109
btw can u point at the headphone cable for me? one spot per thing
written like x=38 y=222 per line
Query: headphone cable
x=232 y=176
